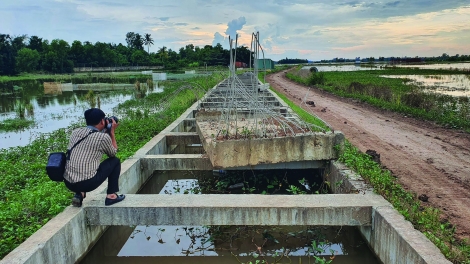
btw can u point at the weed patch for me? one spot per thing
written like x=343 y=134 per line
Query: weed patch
x=15 y=124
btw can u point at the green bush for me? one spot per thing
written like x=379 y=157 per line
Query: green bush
x=316 y=78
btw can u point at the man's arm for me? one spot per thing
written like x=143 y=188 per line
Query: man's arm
x=113 y=137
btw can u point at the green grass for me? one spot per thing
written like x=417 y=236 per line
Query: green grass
x=424 y=218
x=319 y=125
x=396 y=95
x=29 y=199
x=16 y=124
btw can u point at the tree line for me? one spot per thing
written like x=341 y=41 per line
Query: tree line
x=292 y=61
x=443 y=58
x=20 y=54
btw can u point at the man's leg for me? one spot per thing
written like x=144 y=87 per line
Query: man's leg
x=110 y=169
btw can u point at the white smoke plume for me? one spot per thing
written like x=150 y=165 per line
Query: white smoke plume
x=235 y=25
x=232 y=28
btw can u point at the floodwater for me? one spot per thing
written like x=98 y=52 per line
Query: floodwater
x=454 y=85
x=345 y=67
x=224 y=244
x=52 y=112
x=441 y=66
x=380 y=66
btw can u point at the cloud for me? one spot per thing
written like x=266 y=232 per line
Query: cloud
x=235 y=25
x=218 y=38
x=231 y=31
x=392 y=4
x=334 y=28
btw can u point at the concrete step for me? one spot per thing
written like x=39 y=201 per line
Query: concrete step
x=231 y=209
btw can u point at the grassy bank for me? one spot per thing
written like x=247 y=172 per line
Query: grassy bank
x=393 y=94
x=424 y=218
x=78 y=78
x=28 y=199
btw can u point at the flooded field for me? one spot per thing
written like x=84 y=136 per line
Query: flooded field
x=224 y=244
x=345 y=67
x=446 y=66
x=448 y=84
x=51 y=112
x=379 y=66
x=454 y=85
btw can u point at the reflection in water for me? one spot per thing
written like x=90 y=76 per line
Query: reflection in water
x=454 y=85
x=52 y=112
x=365 y=66
x=223 y=244
x=346 y=67
x=443 y=66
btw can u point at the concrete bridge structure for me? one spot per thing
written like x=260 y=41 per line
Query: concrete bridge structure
x=69 y=236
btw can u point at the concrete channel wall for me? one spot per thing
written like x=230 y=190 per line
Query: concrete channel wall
x=70 y=235
x=390 y=236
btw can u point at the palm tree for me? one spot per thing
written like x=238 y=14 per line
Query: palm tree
x=148 y=41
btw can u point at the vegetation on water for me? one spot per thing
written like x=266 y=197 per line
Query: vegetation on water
x=394 y=94
x=424 y=218
x=29 y=199
x=76 y=78
x=264 y=182
x=269 y=244
x=15 y=124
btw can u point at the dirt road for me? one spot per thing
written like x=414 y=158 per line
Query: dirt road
x=426 y=158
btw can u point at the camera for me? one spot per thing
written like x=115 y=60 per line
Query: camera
x=109 y=121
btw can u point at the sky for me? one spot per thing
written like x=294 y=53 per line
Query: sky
x=304 y=29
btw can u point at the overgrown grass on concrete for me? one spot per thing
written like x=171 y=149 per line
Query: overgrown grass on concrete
x=307 y=117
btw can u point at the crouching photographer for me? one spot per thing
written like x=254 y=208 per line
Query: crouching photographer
x=83 y=170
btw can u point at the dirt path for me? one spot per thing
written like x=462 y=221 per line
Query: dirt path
x=427 y=159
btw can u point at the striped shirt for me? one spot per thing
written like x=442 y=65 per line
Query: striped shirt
x=86 y=156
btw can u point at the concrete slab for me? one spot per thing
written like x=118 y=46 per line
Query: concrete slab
x=215 y=209
x=228 y=153
x=151 y=163
x=182 y=138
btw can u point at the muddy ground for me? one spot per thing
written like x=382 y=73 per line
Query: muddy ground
x=427 y=159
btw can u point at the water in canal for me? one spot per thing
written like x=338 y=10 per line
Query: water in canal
x=224 y=244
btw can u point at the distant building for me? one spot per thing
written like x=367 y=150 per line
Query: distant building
x=265 y=63
x=358 y=60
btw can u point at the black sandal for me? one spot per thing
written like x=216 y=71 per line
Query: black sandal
x=77 y=200
x=119 y=197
